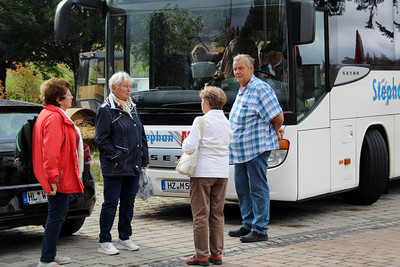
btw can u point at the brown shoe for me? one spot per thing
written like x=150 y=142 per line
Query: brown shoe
x=238 y=233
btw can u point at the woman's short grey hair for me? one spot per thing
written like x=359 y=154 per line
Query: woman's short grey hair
x=249 y=59
x=118 y=78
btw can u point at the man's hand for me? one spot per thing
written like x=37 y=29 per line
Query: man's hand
x=280 y=133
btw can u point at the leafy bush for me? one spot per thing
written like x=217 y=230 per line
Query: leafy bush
x=3 y=94
x=26 y=84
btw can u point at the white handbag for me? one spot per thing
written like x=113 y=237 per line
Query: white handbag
x=187 y=162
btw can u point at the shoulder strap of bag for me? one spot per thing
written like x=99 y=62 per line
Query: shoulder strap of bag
x=201 y=122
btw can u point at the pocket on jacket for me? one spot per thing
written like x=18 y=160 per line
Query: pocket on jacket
x=121 y=152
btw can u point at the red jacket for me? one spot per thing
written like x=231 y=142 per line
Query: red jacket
x=54 y=154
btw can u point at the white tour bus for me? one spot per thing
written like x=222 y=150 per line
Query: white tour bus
x=339 y=86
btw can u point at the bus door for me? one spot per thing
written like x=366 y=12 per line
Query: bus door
x=313 y=109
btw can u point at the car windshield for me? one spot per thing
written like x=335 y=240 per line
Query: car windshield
x=11 y=123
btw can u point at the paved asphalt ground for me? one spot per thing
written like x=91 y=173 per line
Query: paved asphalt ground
x=321 y=232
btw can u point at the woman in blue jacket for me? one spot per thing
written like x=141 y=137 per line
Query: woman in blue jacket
x=122 y=144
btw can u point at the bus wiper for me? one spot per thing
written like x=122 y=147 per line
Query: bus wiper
x=180 y=104
x=169 y=110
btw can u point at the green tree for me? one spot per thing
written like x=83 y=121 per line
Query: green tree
x=182 y=28
x=27 y=35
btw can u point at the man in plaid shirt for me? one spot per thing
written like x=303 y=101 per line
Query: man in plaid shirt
x=256 y=119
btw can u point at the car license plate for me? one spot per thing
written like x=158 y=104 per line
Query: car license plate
x=175 y=186
x=34 y=197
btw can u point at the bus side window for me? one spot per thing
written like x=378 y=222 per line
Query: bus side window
x=310 y=70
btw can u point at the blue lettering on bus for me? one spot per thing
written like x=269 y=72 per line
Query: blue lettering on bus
x=159 y=138
x=385 y=91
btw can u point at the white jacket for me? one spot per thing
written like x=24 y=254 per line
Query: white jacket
x=213 y=157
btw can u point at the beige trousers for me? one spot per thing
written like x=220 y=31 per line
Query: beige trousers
x=207 y=199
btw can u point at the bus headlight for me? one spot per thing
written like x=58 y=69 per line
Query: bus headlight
x=278 y=156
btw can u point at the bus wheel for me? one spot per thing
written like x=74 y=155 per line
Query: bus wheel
x=374 y=170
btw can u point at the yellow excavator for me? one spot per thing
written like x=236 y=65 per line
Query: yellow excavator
x=90 y=91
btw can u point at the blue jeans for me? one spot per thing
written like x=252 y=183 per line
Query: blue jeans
x=58 y=211
x=122 y=189
x=253 y=192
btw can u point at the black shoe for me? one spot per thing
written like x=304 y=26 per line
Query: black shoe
x=254 y=237
x=238 y=233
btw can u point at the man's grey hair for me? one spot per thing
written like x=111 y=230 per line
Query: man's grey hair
x=249 y=59
x=118 y=78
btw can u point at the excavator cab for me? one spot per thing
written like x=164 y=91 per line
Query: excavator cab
x=91 y=78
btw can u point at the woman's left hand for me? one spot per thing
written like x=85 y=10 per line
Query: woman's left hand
x=145 y=165
x=53 y=191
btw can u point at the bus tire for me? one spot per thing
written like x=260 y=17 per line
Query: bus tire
x=374 y=170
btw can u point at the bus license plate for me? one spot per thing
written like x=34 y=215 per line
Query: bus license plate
x=34 y=197
x=175 y=186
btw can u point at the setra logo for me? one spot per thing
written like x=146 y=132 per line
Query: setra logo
x=385 y=91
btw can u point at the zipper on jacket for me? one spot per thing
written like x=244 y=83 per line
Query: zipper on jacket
x=120 y=147
x=59 y=179
x=117 y=118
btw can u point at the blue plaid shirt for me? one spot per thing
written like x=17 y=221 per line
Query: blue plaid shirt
x=250 y=119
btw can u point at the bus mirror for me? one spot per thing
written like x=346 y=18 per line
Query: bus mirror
x=61 y=20
x=302 y=21
x=63 y=13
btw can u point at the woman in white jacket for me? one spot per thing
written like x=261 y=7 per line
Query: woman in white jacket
x=209 y=180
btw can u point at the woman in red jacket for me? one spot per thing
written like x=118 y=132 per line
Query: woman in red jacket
x=56 y=143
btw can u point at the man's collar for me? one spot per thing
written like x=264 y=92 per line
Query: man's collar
x=250 y=81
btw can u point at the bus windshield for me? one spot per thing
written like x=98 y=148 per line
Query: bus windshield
x=175 y=47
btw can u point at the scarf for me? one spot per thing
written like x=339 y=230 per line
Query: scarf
x=126 y=106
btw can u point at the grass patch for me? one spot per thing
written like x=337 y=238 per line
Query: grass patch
x=95 y=165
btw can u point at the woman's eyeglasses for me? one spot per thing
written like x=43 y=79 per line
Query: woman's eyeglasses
x=67 y=95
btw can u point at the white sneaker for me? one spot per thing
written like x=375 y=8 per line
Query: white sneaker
x=107 y=248
x=62 y=260
x=50 y=264
x=127 y=244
